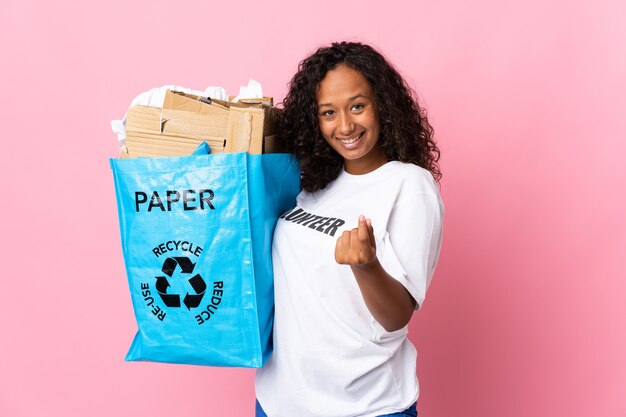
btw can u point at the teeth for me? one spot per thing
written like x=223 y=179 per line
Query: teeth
x=350 y=140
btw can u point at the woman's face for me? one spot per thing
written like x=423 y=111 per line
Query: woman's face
x=349 y=121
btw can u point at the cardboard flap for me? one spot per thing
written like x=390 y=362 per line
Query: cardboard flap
x=245 y=130
x=175 y=100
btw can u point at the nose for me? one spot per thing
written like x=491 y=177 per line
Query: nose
x=345 y=125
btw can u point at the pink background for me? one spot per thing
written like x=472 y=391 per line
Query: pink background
x=526 y=315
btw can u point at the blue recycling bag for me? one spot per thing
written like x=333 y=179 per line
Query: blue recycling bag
x=196 y=237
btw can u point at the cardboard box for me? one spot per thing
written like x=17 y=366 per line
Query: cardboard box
x=185 y=121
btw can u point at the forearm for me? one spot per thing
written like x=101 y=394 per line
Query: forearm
x=386 y=298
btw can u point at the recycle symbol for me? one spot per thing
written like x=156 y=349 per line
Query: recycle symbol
x=196 y=282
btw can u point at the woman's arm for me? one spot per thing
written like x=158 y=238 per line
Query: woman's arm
x=386 y=298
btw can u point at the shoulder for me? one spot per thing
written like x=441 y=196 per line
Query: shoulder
x=415 y=179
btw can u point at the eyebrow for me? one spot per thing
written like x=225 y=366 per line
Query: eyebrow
x=350 y=99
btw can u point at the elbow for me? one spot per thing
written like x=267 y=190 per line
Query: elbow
x=400 y=317
x=397 y=324
x=392 y=329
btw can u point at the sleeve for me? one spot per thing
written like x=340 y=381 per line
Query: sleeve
x=412 y=242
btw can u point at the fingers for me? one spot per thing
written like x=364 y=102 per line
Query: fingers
x=342 y=246
x=356 y=246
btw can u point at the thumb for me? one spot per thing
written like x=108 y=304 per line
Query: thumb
x=362 y=230
x=370 y=230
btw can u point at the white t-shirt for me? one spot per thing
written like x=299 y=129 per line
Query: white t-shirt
x=331 y=357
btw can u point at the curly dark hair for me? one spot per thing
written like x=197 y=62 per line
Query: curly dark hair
x=405 y=133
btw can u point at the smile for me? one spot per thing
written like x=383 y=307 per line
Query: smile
x=353 y=139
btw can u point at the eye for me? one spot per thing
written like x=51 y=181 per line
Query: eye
x=328 y=113
x=358 y=107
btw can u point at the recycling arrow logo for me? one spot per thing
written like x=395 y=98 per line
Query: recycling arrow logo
x=184 y=264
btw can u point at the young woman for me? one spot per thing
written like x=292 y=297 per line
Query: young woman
x=354 y=258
